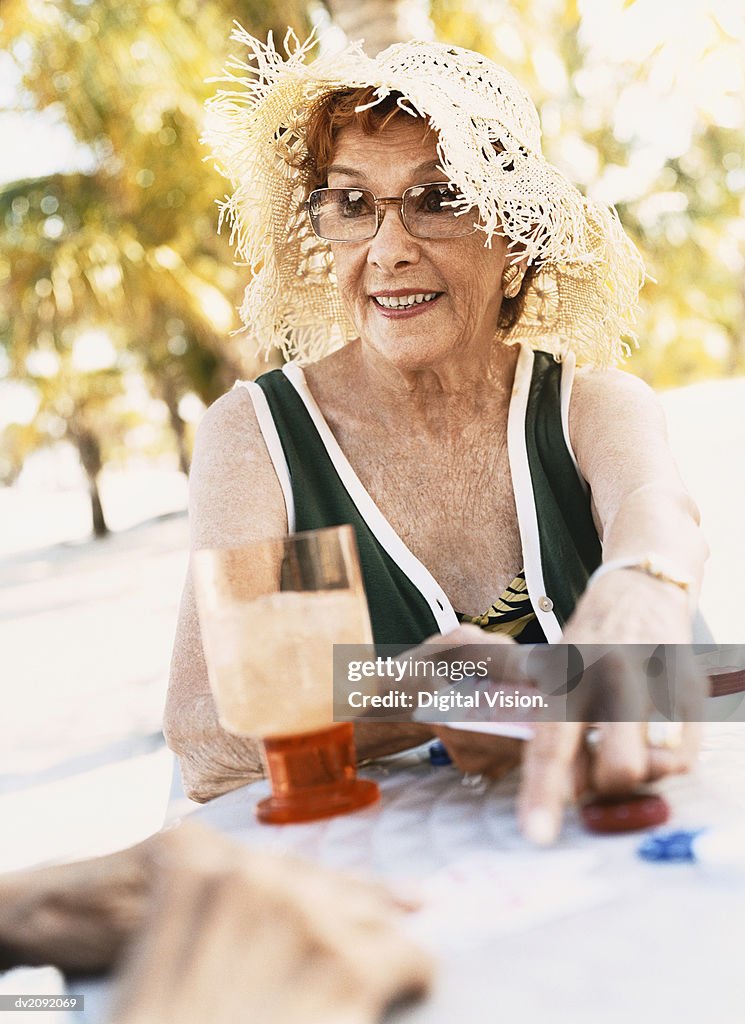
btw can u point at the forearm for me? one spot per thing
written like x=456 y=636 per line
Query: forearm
x=214 y=762
x=629 y=606
x=660 y=520
x=378 y=739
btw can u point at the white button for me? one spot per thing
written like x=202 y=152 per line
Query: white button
x=545 y=604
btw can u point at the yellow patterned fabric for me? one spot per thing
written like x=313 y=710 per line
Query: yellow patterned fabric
x=511 y=614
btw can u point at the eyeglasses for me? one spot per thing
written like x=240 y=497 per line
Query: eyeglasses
x=355 y=214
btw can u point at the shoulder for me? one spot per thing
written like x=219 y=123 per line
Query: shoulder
x=228 y=435
x=232 y=484
x=591 y=384
x=228 y=418
x=611 y=401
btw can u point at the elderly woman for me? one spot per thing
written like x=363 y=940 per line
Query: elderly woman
x=435 y=283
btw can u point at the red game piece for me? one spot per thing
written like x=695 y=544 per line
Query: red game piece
x=606 y=815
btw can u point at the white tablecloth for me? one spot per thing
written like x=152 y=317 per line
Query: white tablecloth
x=583 y=932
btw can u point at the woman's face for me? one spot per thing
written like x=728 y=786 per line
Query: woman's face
x=463 y=275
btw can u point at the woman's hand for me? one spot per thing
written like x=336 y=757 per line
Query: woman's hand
x=621 y=686
x=559 y=765
x=625 y=608
x=479 y=753
x=474 y=753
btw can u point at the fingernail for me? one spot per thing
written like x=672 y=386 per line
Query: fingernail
x=540 y=827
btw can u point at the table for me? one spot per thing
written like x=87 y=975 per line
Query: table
x=594 y=935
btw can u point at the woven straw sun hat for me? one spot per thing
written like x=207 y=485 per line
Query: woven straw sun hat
x=584 y=292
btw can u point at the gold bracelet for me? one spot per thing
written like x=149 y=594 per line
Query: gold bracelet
x=650 y=565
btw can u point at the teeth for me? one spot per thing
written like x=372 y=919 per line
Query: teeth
x=396 y=302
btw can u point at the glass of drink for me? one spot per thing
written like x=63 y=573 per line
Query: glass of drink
x=270 y=613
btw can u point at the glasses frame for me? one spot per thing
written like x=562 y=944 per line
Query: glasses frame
x=384 y=201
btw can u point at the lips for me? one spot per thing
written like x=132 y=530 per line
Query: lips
x=404 y=302
x=401 y=301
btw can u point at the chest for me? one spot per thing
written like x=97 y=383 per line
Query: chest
x=450 y=499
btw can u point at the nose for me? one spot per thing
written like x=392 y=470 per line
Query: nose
x=393 y=247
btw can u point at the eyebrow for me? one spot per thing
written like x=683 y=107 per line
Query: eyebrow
x=353 y=172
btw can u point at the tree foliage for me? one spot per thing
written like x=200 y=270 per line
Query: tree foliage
x=129 y=248
x=685 y=210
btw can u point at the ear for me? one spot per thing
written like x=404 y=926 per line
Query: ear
x=516 y=263
x=513 y=274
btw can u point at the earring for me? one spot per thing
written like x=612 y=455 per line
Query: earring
x=512 y=280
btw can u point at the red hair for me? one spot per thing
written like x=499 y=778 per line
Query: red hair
x=339 y=110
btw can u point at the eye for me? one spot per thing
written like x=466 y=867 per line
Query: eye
x=355 y=202
x=436 y=199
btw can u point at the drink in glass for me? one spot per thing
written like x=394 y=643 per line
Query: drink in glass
x=270 y=613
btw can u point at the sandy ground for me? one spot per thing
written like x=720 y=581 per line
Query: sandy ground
x=86 y=630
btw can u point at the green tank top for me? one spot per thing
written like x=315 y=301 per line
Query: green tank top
x=560 y=545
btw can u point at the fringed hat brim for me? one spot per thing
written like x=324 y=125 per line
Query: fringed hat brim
x=584 y=293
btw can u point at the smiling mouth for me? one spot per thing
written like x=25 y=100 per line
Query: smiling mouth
x=404 y=301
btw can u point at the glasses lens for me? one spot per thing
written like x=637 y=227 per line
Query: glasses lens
x=430 y=212
x=343 y=214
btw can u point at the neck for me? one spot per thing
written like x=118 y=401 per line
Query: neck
x=446 y=396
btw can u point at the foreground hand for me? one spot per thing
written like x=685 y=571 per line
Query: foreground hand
x=248 y=935
x=206 y=930
x=77 y=916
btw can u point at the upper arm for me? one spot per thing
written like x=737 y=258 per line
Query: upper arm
x=234 y=498
x=234 y=494
x=618 y=432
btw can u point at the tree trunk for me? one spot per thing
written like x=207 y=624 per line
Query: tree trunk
x=382 y=22
x=100 y=528
x=168 y=393
x=89 y=450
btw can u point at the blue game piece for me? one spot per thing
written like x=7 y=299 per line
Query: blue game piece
x=438 y=754
x=670 y=846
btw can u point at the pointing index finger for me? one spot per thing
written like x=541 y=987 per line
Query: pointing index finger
x=547 y=779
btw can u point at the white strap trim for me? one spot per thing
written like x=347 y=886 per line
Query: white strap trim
x=527 y=515
x=273 y=444
x=568 y=366
x=386 y=536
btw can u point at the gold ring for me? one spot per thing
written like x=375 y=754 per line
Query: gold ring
x=664 y=735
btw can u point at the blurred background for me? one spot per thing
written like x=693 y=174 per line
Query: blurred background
x=117 y=302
